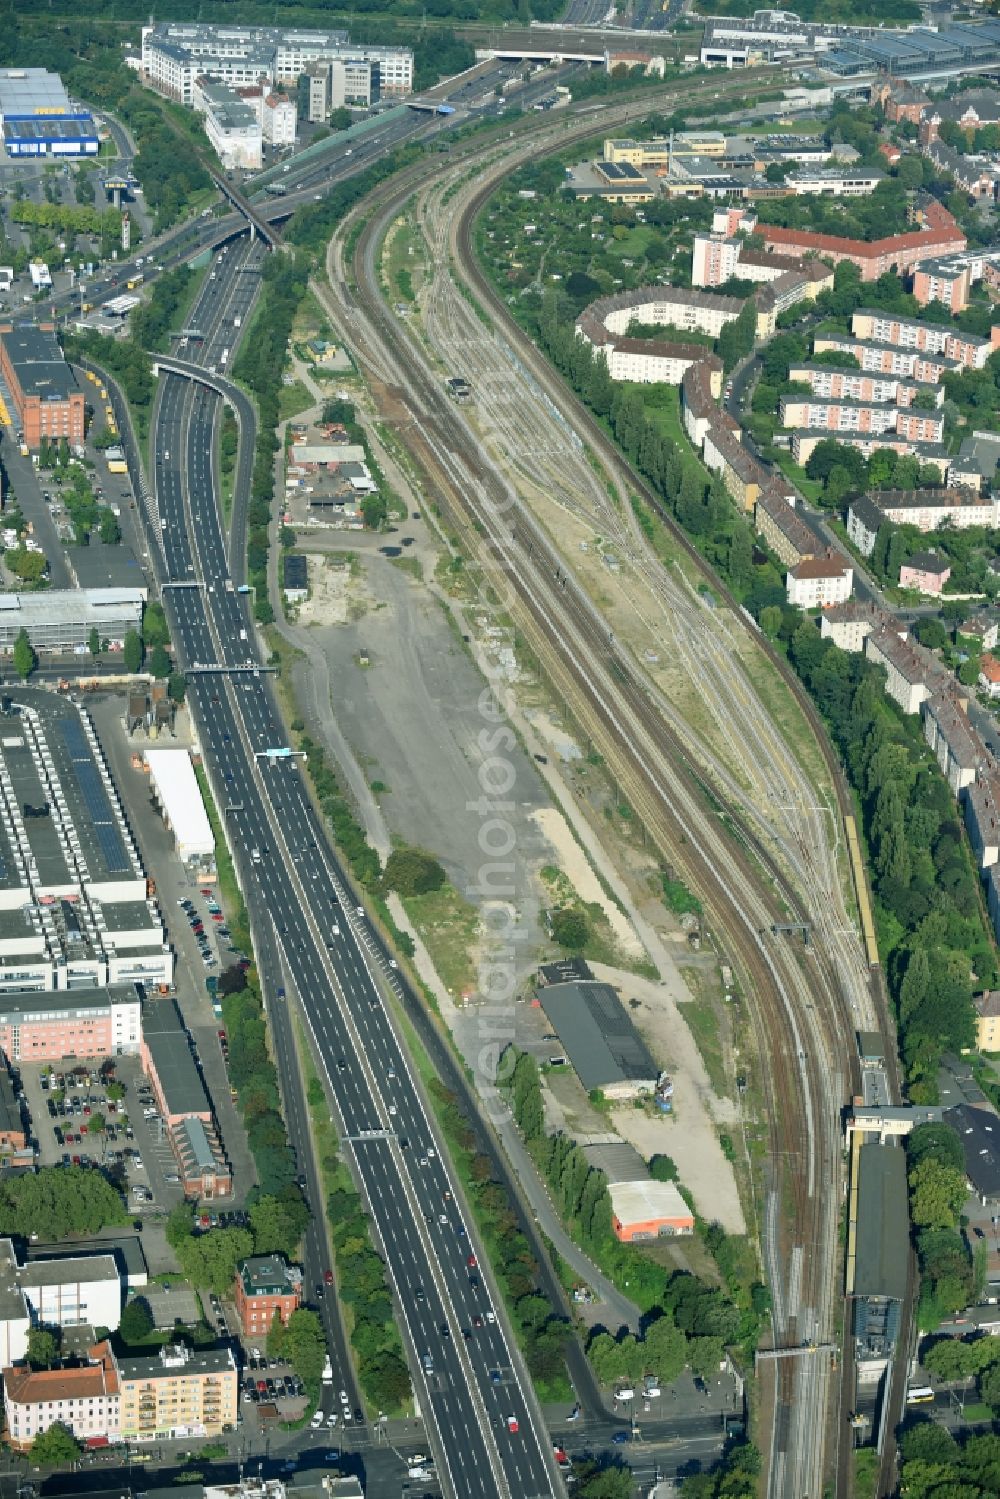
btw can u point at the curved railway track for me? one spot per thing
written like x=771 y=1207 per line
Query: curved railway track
x=652 y=763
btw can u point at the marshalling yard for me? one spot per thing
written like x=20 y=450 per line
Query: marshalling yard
x=515 y=467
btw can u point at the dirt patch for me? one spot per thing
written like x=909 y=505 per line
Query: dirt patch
x=573 y=862
x=335 y=594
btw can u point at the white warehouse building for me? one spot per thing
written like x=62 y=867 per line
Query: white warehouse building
x=177 y=793
x=83 y=1291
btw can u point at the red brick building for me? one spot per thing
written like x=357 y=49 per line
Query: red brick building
x=45 y=394
x=266 y=1284
x=939 y=235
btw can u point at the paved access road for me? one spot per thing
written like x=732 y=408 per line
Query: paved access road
x=469 y=1388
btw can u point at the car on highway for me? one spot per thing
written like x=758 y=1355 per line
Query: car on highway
x=331 y=1419
x=512 y=1425
x=317 y=1420
x=620 y=1438
x=328 y=1277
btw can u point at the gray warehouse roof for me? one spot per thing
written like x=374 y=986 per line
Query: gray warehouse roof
x=39 y=362
x=98 y=566
x=883 y=1219
x=600 y=1040
x=163 y=1033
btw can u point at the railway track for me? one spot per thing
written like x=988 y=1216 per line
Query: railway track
x=649 y=757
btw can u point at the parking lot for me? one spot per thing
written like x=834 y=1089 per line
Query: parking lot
x=129 y=1141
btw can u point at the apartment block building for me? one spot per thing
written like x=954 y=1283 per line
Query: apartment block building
x=669 y=306
x=939 y=234
x=968 y=349
x=829 y=383
x=950 y=736
x=982 y=817
x=47 y=401
x=701 y=385
x=910 y=670
x=864 y=520
x=84 y=1399
x=724 y=454
x=266 y=1286
x=783 y=529
x=927 y=509
x=987 y=1007
x=714 y=259
x=989 y=675
x=884 y=359
x=178 y=1392
x=941 y=280
x=849 y=624
x=933 y=454
x=836 y=416
x=927 y=572
x=819 y=582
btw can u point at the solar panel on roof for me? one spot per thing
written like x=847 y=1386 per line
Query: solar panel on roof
x=95 y=799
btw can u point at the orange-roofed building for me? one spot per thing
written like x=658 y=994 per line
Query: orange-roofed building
x=85 y=1400
x=989 y=675
x=648 y=1210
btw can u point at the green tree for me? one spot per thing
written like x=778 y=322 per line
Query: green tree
x=136 y=1322
x=705 y=1356
x=96 y=1124
x=278 y=1223
x=94 y=641
x=570 y=928
x=937 y=1194
x=938 y=1142
x=770 y=620
x=374 y=511
x=159 y=662
x=410 y=871
x=305 y=1344
x=663 y=1169
x=29 y=566
x=176 y=686
x=58 y=1201
x=154 y=625
x=43 y=1348
x=209 y=1260
x=55 y=1447
x=109 y=531
x=132 y=651
x=25 y=659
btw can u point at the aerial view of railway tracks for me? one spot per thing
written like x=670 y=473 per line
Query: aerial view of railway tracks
x=500 y=751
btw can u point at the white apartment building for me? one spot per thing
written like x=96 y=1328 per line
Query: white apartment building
x=819 y=582
x=233 y=127
x=85 y=1400
x=279 y=119
x=927 y=509
x=849 y=625
x=910 y=670
x=669 y=306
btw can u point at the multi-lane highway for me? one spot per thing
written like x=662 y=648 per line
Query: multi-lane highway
x=479 y=1410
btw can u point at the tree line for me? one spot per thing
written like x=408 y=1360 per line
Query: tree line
x=259 y=364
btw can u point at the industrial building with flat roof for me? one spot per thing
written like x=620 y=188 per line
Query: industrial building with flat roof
x=68 y=1291
x=603 y=1046
x=46 y=398
x=74 y=908
x=59 y=621
x=648 y=1210
x=167 y=1061
x=176 y=792
x=38 y=119
x=175 y=53
x=878 y=1249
